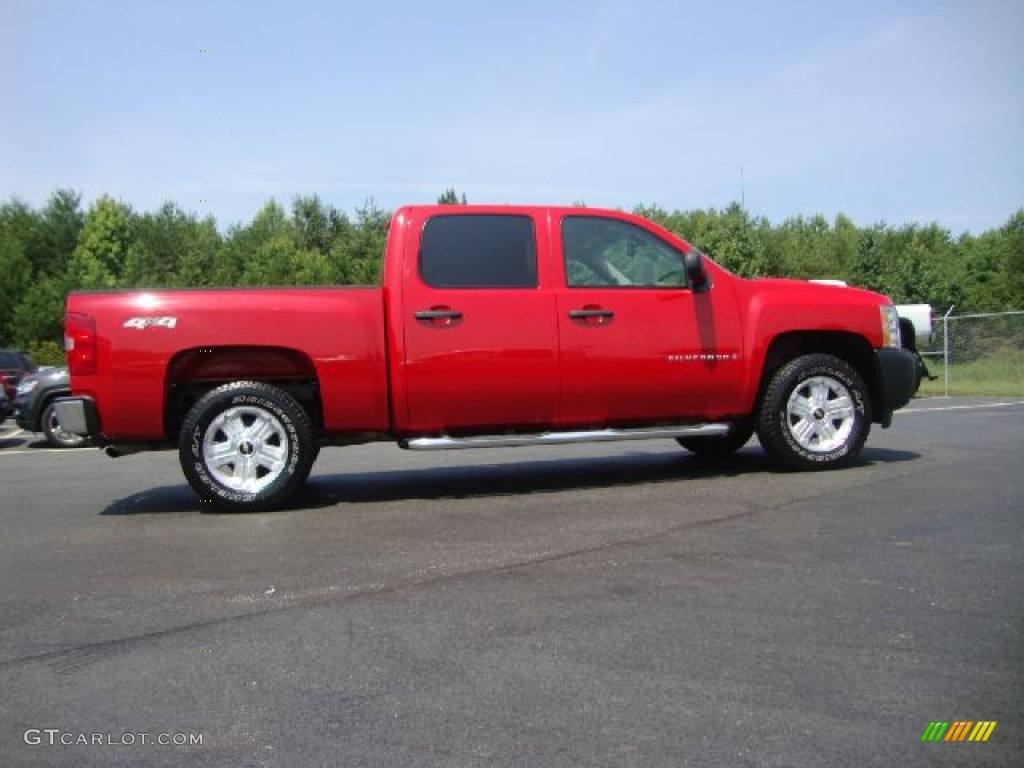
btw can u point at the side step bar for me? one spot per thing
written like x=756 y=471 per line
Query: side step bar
x=560 y=438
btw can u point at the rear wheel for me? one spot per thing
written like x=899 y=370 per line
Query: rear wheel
x=816 y=413
x=246 y=446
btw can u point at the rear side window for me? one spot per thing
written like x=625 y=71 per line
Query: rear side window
x=479 y=251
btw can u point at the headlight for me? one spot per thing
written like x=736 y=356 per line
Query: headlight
x=890 y=326
x=27 y=386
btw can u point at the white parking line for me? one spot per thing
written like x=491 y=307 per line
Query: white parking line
x=960 y=407
x=24 y=452
x=4 y=436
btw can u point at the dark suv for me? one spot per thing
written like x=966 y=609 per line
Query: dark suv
x=14 y=363
x=33 y=406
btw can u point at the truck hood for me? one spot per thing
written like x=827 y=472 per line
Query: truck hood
x=820 y=291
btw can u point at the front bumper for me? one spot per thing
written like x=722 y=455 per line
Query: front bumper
x=896 y=381
x=25 y=414
x=78 y=415
x=21 y=418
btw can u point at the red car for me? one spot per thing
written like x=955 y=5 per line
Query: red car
x=495 y=325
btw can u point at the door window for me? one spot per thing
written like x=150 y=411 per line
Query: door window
x=608 y=253
x=478 y=251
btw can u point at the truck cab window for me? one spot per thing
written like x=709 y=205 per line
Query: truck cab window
x=610 y=253
x=478 y=251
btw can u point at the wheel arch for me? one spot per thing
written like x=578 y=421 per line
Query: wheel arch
x=850 y=347
x=191 y=373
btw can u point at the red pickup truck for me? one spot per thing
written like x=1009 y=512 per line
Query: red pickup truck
x=493 y=326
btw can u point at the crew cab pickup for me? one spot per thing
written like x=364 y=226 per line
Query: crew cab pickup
x=493 y=326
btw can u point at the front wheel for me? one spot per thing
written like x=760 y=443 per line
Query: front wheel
x=246 y=446
x=815 y=414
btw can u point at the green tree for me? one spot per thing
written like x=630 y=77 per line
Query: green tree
x=869 y=267
x=1012 y=262
x=246 y=256
x=103 y=245
x=733 y=239
x=60 y=226
x=230 y=257
x=21 y=225
x=266 y=249
x=272 y=261
x=913 y=277
x=47 y=352
x=34 y=251
x=318 y=226
x=46 y=252
x=159 y=240
x=356 y=259
x=311 y=268
x=802 y=247
x=842 y=246
x=39 y=315
x=451 y=197
x=16 y=272
x=195 y=265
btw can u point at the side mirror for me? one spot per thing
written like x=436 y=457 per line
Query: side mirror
x=696 y=272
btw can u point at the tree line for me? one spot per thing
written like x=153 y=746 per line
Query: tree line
x=46 y=252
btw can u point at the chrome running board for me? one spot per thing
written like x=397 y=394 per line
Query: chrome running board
x=560 y=438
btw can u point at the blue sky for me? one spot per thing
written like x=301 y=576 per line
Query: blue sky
x=890 y=111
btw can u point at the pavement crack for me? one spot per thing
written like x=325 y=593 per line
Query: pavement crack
x=70 y=660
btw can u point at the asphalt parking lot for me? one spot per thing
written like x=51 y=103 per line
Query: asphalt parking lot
x=608 y=605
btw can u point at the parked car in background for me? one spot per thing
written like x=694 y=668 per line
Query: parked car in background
x=5 y=406
x=14 y=364
x=33 y=406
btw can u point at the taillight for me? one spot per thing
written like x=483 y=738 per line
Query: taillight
x=80 y=344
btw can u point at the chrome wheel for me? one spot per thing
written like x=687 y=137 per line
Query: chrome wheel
x=820 y=414
x=56 y=435
x=815 y=413
x=245 y=448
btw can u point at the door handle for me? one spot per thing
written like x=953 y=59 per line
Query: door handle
x=585 y=314
x=438 y=314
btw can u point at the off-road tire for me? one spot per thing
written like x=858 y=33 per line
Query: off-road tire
x=815 y=413
x=246 y=446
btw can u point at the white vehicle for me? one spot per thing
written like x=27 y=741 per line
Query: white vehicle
x=915 y=329
x=920 y=315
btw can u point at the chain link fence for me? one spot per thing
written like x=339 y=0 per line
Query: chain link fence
x=981 y=354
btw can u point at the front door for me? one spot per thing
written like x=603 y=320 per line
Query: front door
x=637 y=344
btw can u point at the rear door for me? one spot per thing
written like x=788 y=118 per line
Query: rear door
x=480 y=334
